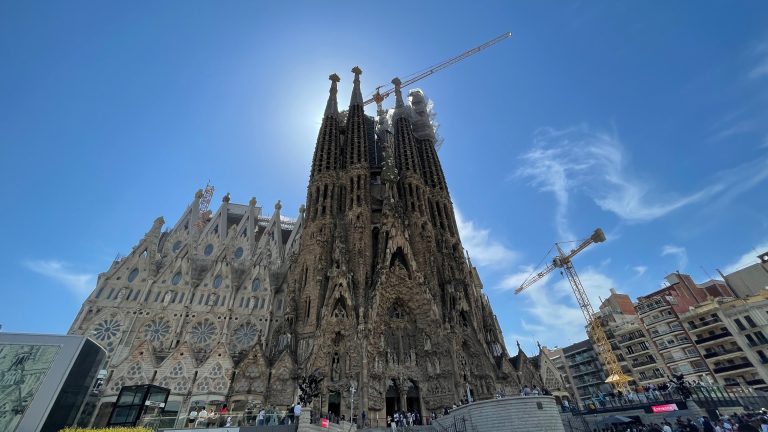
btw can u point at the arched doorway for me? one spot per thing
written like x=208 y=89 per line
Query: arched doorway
x=334 y=402
x=392 y=398
x=413 y=398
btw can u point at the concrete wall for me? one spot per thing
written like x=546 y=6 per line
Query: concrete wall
x=520 y=413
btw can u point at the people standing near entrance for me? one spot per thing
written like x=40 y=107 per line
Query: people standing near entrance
x=192 y=417
x=202 y=418
x=296 y=412
x=260 y=417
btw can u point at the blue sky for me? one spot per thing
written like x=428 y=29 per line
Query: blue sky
x=648 y=119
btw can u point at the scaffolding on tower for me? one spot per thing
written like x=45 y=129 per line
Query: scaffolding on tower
x=205 y=201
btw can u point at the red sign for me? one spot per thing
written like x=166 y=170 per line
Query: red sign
x=664 y=408
x=324 y=423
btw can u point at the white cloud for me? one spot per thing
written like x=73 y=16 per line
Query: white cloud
x=677 y=251
x=595 y=163
x=746 y=259
x=640 y=270
x=483 y=250
x=761 y=68
x=81 y=284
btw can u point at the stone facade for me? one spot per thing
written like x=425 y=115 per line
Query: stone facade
x=369 y=286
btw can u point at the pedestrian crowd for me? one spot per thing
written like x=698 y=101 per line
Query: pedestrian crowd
x=402 y=418
x=746 y=422
x=202 y=417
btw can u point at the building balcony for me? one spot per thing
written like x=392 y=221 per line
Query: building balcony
x=668 y=331
x=644 y=308
x=643 y=363
x=732 y=368
x=713 y=338
x=658 y=320
x=639 y=352
x=588 y=383
x=703 y=324
x=582 y=371
x=624 y=341
x=580 y=359
x=673 y=345
x=756 y=382
x=674 y=359
x=716 y=354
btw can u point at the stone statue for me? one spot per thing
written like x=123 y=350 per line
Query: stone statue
x=122 y=294
x=213 y=299
x=167 y=298
x=335 y=373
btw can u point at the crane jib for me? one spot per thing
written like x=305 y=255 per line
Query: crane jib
x=381 y=95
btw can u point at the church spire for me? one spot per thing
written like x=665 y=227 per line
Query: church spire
x=398 y=94
x=357 y=95
x=332 y=108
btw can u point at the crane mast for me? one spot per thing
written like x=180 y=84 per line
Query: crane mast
x=595 y=330
x=379 y=96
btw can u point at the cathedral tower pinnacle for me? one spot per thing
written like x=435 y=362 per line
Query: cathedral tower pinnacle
x=357 y=95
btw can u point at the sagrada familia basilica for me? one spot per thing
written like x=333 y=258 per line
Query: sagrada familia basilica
x=369 y=286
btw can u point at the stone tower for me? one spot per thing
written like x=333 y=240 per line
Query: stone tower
x=382 y=295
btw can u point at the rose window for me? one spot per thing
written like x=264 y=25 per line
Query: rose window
x=177 y=370
x=216 y=370
x=107 y=329
x=202 y=332
x=134 y=370
x=246 y=334
x=204 y=385
x=157 y=330
x=219 y=386
x=180 y=386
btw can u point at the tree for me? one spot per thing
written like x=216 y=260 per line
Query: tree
x=309 y=387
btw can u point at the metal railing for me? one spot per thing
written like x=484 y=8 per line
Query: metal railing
x=234 y=419
x=653 y=321
x=714 y=354
x=713 y=337
x=705 y=323
x=731 y=368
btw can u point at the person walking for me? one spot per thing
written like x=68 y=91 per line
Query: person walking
x=192 y=417
x=260 y=417
x=296 y=412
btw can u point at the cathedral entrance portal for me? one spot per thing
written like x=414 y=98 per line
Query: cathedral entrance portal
x=393 y=398
x=334 y=403
x=413 y=398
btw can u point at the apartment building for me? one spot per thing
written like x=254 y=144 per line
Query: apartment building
x=584 y=370
x=731 y=336
x=629 y=339
x=750 y=280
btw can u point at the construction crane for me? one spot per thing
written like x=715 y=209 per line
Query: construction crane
x=380 y=95
x=205 y=200
x=595 y=330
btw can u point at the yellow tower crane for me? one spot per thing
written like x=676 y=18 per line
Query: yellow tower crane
x=595 y=330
